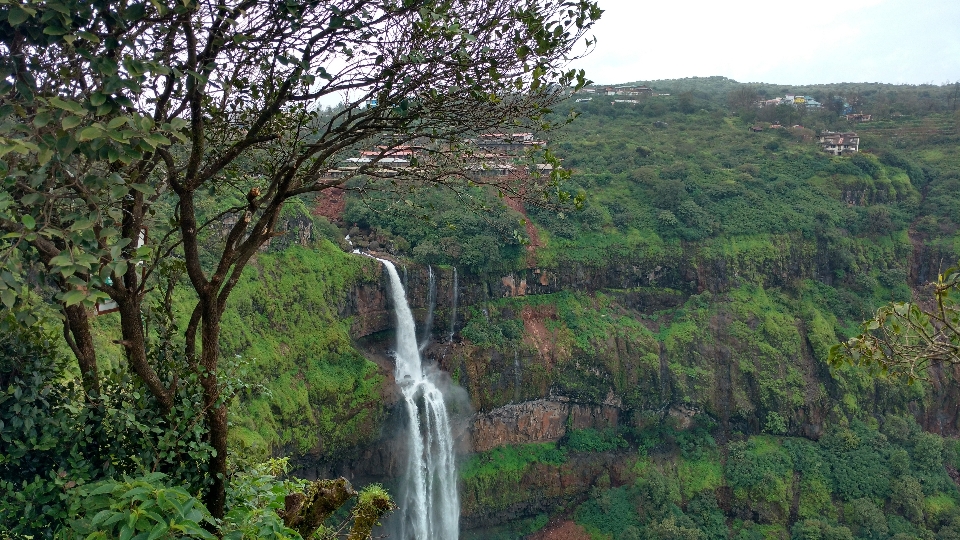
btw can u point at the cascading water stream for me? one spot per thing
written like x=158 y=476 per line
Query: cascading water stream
x=431 y=303
x=429 y=505
x=453 y=314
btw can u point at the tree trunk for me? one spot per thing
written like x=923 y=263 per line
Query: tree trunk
x=216 y=409
x=76 y=329
x=134 y=343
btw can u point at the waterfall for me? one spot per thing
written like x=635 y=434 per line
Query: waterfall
x=429 y=505
x=431 y=302
x=453 y=314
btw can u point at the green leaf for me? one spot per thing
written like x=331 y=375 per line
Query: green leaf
x=8 y=278
x=71 y=106
x=73 y=296
x=89 y=133
x=44 y=156
x=42 y=119
x=135 y=491
x=66 y=145
x=97 y=99
x=61 y=260
x=101 y=516
x=116 y=518
x=54 y=30
x=88 y=36
x=70 y=121
x=18 y=15
x=117 y=122
x=158 y=530
x=28 y=222
x=8 y=297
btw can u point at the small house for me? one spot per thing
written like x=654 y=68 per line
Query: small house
x=839 y=143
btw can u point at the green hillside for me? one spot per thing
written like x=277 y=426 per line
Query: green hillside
x=715 y=266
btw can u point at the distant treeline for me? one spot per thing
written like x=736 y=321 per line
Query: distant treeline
x=881 y=99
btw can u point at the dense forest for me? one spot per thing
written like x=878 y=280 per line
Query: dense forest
x=672 y=333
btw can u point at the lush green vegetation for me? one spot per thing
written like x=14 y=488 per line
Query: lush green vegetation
x=315 y=391
x=442 y=230
x=489 y=480
x=311 y=389
x=767 y=348
x=885 y=481
x=117 y=469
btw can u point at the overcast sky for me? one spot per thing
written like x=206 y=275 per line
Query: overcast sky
x=799 y=42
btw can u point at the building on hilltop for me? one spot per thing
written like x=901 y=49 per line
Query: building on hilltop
x=494 y=154
x=839 y=143
x=507 y=142
x=630 y=91
x=624 y=90
x=800 y=102
x=859 y=117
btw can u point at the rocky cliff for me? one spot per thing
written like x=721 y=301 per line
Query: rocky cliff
x=736 y=333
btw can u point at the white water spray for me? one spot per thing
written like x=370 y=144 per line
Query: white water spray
x=429 y=506
x=453 y=314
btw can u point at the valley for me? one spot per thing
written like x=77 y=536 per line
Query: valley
x=652 y=365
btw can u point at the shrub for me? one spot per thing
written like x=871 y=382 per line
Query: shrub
x=776 y=424
x=868 y=521
x=52 y=443
x=592 y=440
x=906 y=497
x=815 y=529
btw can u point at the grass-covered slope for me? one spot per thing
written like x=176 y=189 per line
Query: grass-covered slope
x=315 y=392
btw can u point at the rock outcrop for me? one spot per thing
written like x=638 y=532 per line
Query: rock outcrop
x=541 y=420
x=542 y=487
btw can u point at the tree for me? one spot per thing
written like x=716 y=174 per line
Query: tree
x=123 y=124
x=904 y=338
x=742 y=98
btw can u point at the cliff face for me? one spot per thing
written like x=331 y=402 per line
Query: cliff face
x=734 y=332
x=540 y=488
x=542 y=420
x=717 y=266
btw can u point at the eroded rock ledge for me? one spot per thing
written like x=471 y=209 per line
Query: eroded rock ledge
x=542 y=420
